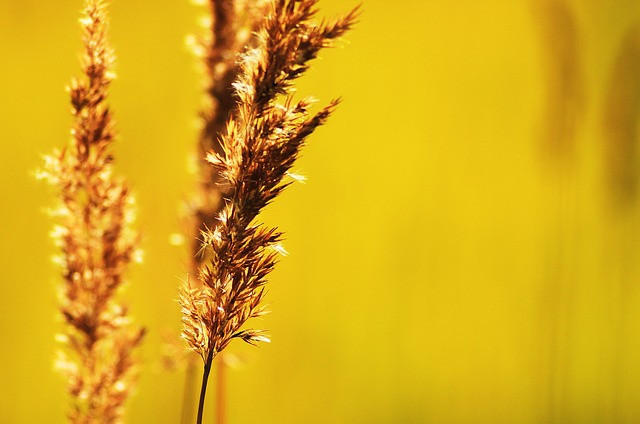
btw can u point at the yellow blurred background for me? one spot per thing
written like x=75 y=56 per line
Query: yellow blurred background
x=465 y=249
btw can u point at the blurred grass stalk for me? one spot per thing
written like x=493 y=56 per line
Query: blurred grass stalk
x=620 y=123
x=96 y=240
x=564 y=105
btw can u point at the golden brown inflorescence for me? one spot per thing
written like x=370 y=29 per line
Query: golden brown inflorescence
x=231 y=28
x=96 y=241
x=261 y=142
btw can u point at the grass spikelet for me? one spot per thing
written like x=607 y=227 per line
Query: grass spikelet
x=96 y=242
x=260 y=144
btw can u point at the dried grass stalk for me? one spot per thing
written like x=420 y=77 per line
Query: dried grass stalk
x=230 y=29
x=262 y=140
x=96 y=241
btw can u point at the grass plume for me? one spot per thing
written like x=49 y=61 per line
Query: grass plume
x=96 y=242
x=231 y=27
x=261 y=141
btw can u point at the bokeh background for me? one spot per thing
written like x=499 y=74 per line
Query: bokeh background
x=464 y=251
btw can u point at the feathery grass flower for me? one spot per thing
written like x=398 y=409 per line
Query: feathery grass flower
x=96 y=242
